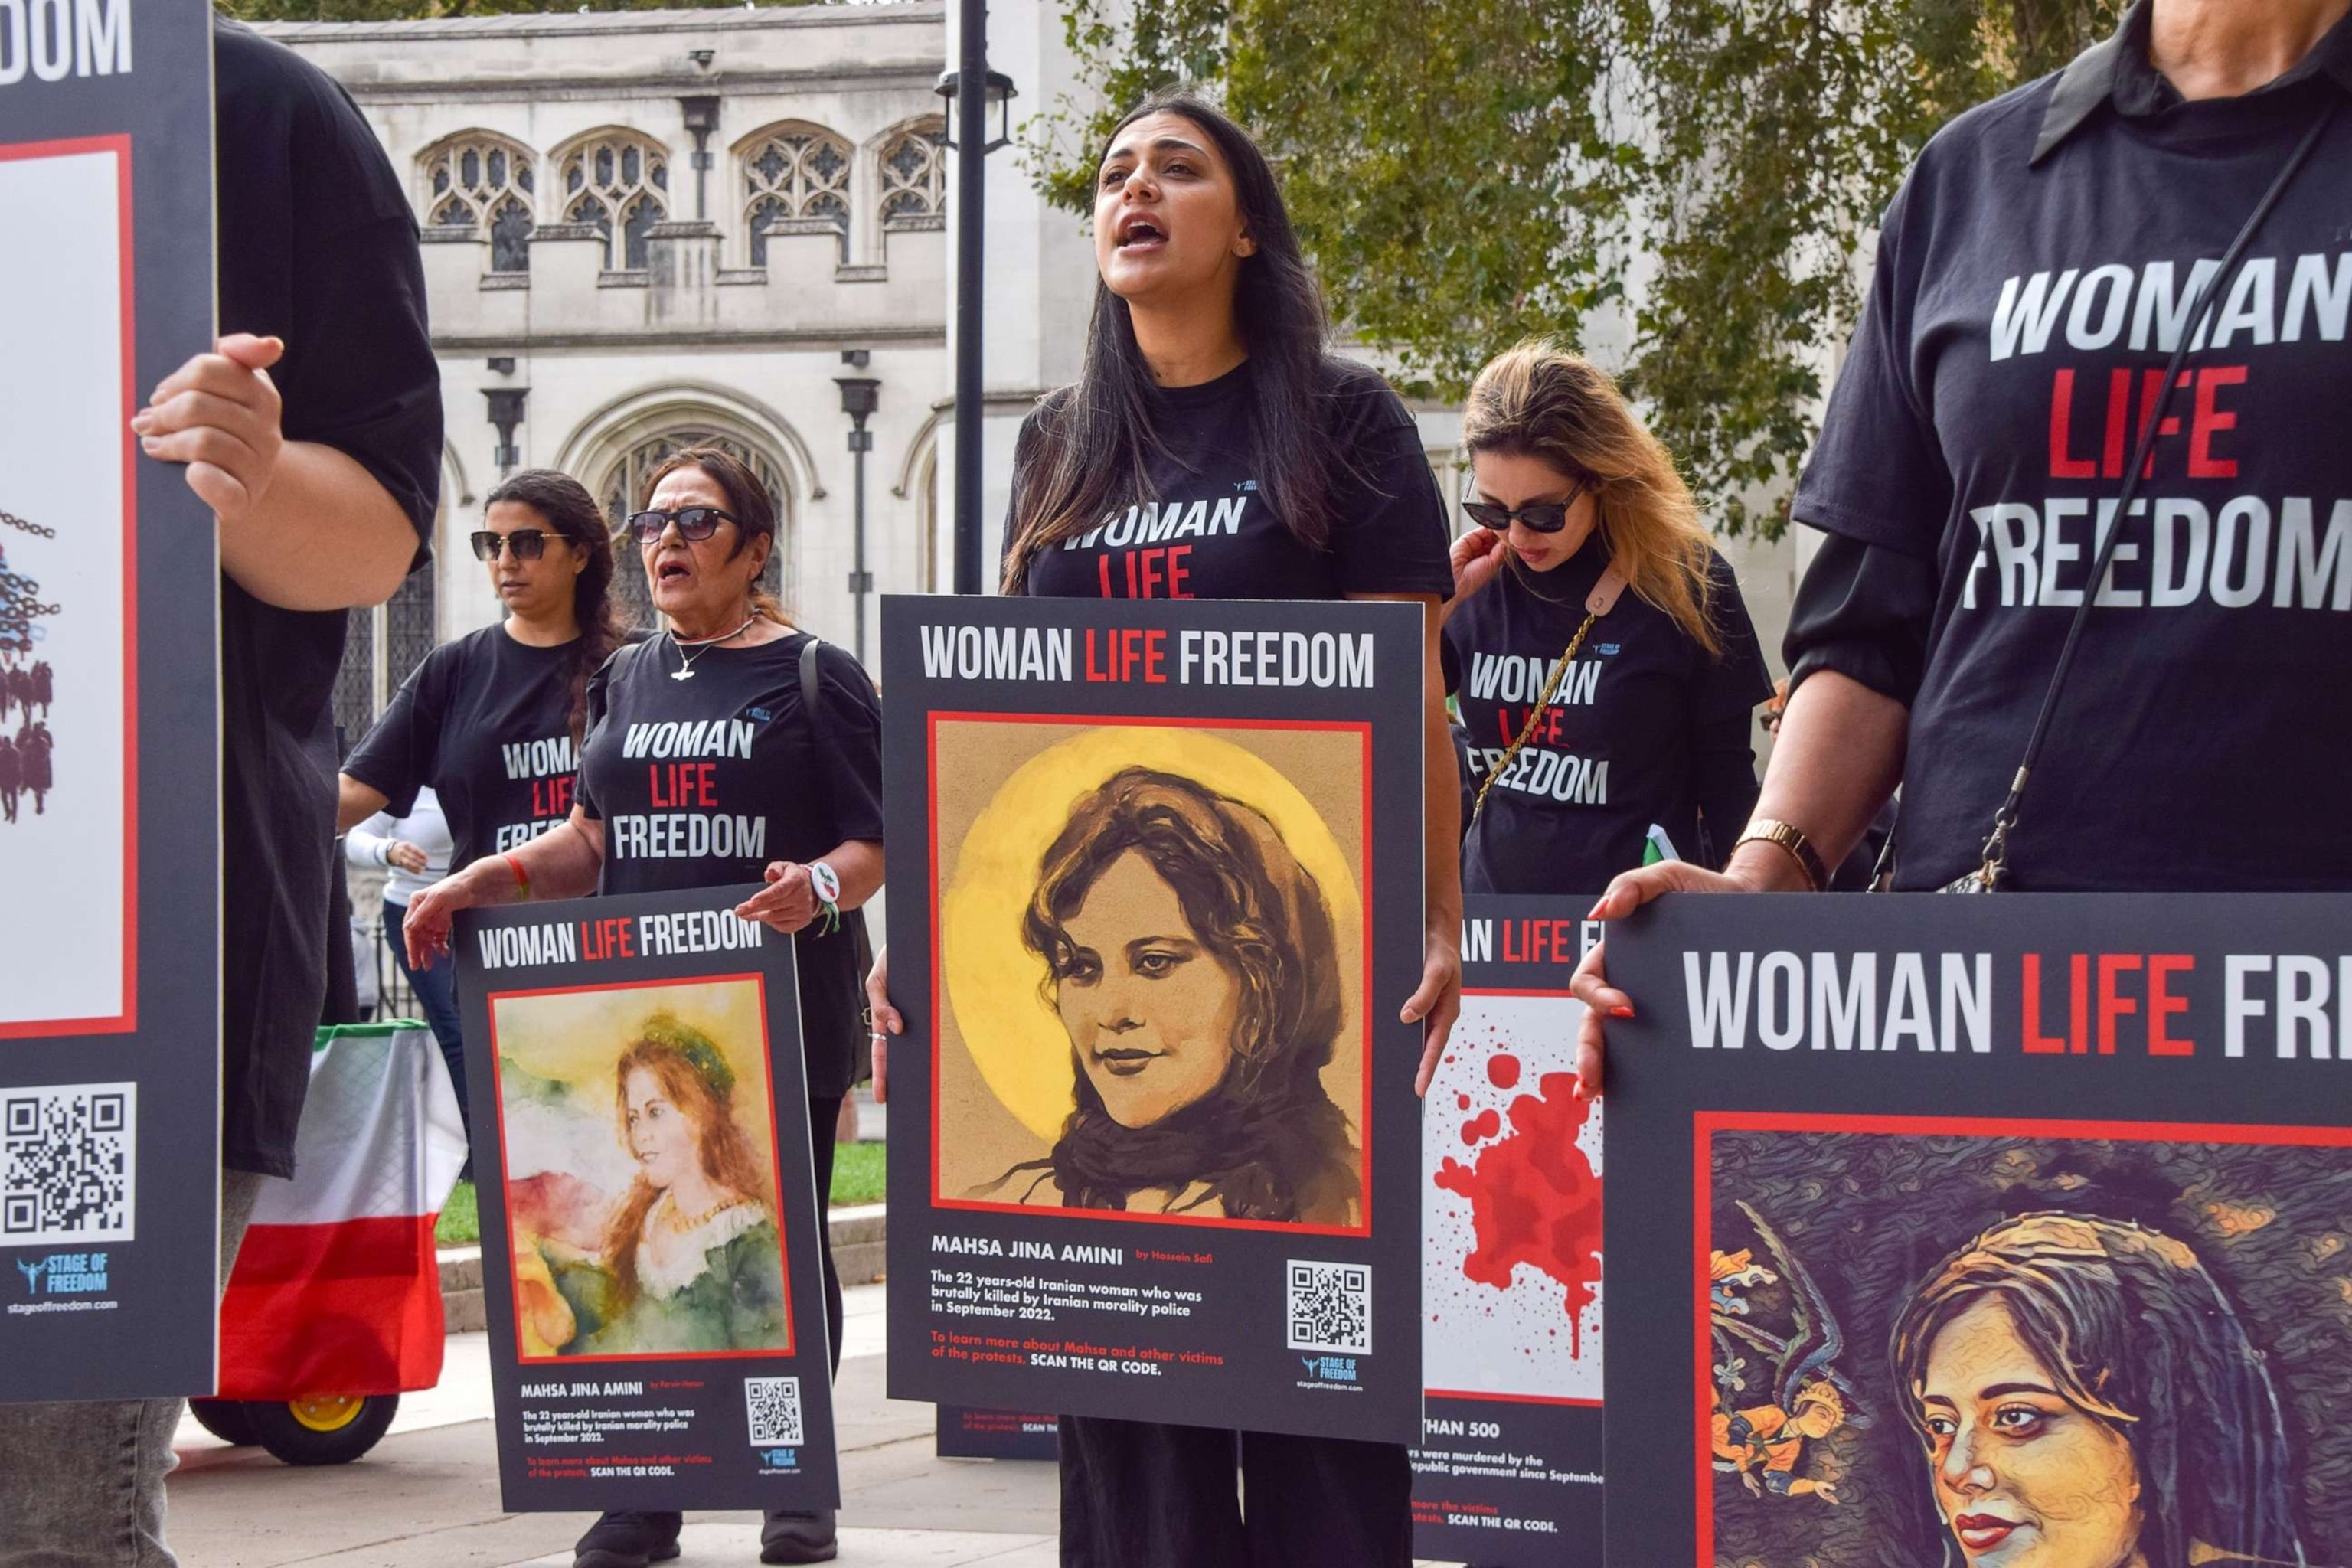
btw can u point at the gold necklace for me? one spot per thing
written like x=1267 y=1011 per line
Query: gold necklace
x=682 y=1223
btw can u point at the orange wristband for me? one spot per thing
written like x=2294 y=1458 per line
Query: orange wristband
x=522 y=879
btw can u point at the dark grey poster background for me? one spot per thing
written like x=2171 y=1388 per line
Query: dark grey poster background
x=1262 y=1384
x=156 y=1331
x=1903 y=1156
x=1530 y=1518
x=710 y=1461
x=968 y=1434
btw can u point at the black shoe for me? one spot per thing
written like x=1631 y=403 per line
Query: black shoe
x=787 y=1537
x=620 y=1540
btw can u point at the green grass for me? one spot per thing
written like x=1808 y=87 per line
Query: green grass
x=857 y=1179
x=857 y=1174
x=461 y=1224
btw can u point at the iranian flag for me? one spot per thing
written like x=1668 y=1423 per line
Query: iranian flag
x=337 y=1289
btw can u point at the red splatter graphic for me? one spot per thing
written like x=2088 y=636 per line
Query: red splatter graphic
x=1534 y=1199
x=1503 y=1071
x=1462 y=1101
x=1484 y=1125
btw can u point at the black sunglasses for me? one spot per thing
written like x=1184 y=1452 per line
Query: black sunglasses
x=528 y=544
x=1543 y=517
x=694 y=523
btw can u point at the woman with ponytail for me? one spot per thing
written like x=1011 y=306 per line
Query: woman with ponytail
x=491 y=724
x=1603 y=661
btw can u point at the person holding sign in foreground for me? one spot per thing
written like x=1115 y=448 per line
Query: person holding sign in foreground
x=491 y=722
x=2117 y=292
x=1206 y=380
x=774 y=789
x=313 y=432
x=1601 y=655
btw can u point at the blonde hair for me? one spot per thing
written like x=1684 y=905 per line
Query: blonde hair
x=1540 y=401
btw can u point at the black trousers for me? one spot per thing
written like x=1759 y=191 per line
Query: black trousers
x=824 y=1115
x=1138 y=1494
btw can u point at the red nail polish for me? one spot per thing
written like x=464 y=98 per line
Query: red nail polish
x=1621 y=1012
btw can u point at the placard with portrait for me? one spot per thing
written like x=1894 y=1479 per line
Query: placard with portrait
x=1988 y=1231
x=1166 y=1113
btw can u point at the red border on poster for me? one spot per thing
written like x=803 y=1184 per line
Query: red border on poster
x=1705 y=1124
x=775 y=1172
x=1364 y=857
x=126 y=1021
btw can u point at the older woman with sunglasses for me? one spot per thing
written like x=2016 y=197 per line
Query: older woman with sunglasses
x=491 y=724
x=789 y=795
x=1603 y=662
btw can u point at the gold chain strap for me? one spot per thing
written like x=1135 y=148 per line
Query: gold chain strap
x=1535 y=716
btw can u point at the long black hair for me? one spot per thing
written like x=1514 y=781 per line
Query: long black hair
x=2138 y=1334
x=1092 y=441
x=1266 y=1142
x=565 y=506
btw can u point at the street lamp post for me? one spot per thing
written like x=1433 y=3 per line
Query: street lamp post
x=979 y=100
x=858 y=396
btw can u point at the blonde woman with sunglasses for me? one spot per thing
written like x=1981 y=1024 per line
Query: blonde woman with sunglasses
x=1596 y=643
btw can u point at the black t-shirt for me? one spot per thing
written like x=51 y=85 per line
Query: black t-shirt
x=701 y=782
x=2021 y=315
x=318 y=246
x=1205 y=530
x=485 y=721
x=1646 y=727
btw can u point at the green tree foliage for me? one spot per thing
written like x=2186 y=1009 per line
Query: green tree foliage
x=1467 y=174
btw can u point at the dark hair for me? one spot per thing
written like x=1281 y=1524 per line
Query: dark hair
x=1267 y=1141
x=2139 y=1335
x=747 y=498
x=565 y=505
x=1093 y=440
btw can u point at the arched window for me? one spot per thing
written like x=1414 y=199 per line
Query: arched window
x=619 y=180
x=794 y=174
x=625 y=483
x=484 y=182
x=914 y=177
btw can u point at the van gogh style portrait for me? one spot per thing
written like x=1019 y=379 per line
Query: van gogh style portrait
x=2005 y=1352
x=1173 y=975
x=641 y=1179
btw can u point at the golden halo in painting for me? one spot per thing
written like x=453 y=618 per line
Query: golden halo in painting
x=994 y=984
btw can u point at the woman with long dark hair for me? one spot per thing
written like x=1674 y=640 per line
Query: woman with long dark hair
x=491 y=721
x=1213 y=448
x=2087 y=1397
x=1603 y=660
x=797 y=804
x=1192 y=959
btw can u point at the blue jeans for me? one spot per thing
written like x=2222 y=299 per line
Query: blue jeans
x=437 y=992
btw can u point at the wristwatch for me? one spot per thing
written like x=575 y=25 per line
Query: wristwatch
x=1785 y=834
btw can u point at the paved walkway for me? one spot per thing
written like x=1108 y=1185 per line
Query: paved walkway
x=427 y=1497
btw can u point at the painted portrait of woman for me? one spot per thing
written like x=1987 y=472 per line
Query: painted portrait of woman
x=691 y=1259
x=1191 y=960
x=2087 y=1397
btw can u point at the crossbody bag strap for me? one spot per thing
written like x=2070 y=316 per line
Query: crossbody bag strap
x=1996 y=848
x=1597 y=604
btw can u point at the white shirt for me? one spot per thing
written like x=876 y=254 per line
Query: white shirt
x=370 y=843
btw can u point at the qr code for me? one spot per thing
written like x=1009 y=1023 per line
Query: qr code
x=774 y=1405
x=66 y=1166
x=1331 y=1307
